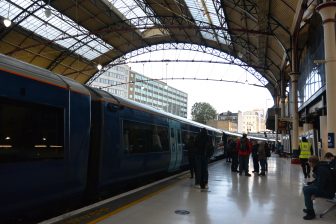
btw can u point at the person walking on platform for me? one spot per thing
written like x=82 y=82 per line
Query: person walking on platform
x=227 y=153
x=255 y=159
x=234 y=155
x=262 y=157
x=243 y=147
x=322 y=186
x=190 y=147
x=305 y=151
x=203 y=144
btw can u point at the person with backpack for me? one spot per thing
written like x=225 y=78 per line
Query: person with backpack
x=322 y=186
x=244 y=149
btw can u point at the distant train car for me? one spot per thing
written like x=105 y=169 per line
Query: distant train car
x=62 y=142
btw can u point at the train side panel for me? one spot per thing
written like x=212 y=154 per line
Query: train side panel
x=37 y=154
x=134 y=144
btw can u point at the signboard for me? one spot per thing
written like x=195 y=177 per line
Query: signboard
x=282 y=125
x=331 y=140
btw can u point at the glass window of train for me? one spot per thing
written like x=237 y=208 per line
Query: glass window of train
x=30 y=131
x=139 y=137
x=172 y=132
x=163 y=133
x=185 y=137
x=178 y=136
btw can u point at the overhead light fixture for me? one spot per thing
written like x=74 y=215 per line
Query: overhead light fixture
x=47 y=12
x=99 y=66
x=7 y=22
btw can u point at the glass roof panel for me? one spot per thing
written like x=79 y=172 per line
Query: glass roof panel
x=198 y=12
x=58 y=28
x=66 y=42
x=132 y=11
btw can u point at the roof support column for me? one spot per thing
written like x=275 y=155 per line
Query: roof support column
x=295 y=116
x=328 y=12
x=282 y=103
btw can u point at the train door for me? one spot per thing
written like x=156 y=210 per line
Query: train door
x=175 y=145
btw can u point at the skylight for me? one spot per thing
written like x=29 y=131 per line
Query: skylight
x=57 y=28
x=199 y=9
x=133 y=12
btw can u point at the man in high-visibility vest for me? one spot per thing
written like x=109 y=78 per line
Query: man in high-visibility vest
x=305 y=150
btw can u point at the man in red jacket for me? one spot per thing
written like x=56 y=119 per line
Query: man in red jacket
x=244 y=149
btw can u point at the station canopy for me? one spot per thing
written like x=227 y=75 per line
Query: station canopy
x=73 y=37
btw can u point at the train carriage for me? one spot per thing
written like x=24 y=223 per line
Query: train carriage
x=43 y=146
x=63 y=142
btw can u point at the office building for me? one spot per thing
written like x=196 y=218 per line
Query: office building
x=157 y=94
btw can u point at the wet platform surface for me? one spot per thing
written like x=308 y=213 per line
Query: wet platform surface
x=275 y=198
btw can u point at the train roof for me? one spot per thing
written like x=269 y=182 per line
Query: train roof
x=29 y=71
x=132 y=104
x=236 y=134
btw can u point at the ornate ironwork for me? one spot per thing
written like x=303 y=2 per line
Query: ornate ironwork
x=228 y=59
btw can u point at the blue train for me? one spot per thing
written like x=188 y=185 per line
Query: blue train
x=61 y=141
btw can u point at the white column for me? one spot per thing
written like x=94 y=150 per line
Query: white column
x=328 y=12
x=282 y=115
x=295 y=115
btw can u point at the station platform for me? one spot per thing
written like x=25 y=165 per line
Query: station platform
x=275 y=198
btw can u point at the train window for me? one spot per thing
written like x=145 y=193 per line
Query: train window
x=172 y=132
x=186 y=136
x=142 y=138
x=179 y=137
x=30 y=132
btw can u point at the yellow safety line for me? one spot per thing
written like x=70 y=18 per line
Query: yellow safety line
x=129 y=205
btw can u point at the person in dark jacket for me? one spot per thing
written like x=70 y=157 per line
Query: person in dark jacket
x=234 y=155
x=202 y=143
x=191 y=155
x=321 y=187
x=331 y=160
x=262 y=157
x=255 y=160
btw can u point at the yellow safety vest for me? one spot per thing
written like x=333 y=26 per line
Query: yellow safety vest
x=305 y=150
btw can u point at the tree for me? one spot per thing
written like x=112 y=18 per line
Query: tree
x=202 y=112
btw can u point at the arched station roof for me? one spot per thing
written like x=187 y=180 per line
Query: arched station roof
x=72 y=37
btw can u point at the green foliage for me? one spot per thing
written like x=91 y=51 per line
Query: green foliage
x=202 y=112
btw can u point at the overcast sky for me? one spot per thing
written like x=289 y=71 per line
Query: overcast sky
x=223 y=96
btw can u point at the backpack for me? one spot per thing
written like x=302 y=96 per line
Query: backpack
x=243 y=144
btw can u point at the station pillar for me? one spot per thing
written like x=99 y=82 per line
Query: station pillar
x=328 y=11
x=282 y=115
x=295 y=114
